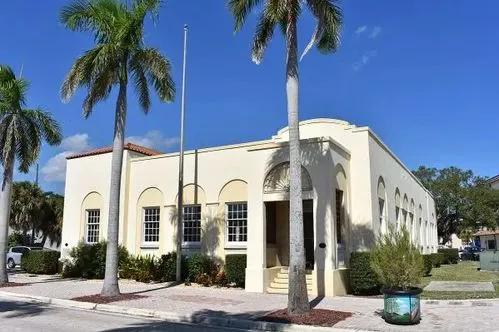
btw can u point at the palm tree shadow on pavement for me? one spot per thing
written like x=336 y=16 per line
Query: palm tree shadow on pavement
x=15 y=309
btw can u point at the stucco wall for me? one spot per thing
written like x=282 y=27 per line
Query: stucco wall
x=85 y=176
x=396 y=176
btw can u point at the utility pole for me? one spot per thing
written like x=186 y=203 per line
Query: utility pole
x=180 y=197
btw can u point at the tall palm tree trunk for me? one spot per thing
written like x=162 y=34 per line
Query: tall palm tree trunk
x=297 y=297
x=110 y=287
x=5 y=198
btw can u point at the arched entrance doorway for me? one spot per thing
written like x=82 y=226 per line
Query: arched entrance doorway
x=276 y=199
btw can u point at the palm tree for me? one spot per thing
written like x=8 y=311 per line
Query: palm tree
x=26 y=207
x=51 y=218
x=119 y=55
x=21 y=134
x=285 y=14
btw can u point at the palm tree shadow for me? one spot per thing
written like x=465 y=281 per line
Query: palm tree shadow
x=15 y=309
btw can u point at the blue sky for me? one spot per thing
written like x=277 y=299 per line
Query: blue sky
x=422 y=74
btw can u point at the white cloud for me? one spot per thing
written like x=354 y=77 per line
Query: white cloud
x=153 y=139
x=375 y=32
x=77 y=143
x=360 y=29
x=366 y=57
x=55 y=169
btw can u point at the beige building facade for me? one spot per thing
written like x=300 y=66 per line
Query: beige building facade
x=236 y=201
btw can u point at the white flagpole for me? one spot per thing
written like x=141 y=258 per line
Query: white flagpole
x=181 y=168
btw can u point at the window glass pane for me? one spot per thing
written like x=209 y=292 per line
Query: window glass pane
x=93 y=220
x=192 y=223
x=151 y=224
x=339 y=216
x=237 y=223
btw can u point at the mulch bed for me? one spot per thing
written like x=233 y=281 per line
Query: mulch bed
x=13 y=284
x=99 y=299
x=317 y=317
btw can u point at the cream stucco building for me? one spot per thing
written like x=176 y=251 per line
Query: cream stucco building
x=236 y=201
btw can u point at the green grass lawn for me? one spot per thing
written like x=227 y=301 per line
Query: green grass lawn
x=464 y=271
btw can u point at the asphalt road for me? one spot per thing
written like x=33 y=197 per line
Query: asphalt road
x=20 y=316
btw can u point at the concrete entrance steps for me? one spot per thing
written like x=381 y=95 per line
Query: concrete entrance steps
x=280 y=283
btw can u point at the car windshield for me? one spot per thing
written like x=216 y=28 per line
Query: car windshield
x=36 y=248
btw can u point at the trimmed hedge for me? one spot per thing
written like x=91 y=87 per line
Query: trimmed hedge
x=428 y=264
x=235 y=269
x=363 y=279
x=451 y=256
x=438 y=259
x=40 y=261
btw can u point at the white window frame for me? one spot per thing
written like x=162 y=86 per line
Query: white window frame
x=235 y=243
x=150 y=243
x=195 y=244
x=87 y=223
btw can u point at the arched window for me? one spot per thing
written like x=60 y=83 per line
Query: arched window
x=397 y=209
x=277 y=180
x=420 y=226
x=382 y=205
x=405 y=207
x=411 y=220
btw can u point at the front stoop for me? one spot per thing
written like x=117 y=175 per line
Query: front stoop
x=281 y=281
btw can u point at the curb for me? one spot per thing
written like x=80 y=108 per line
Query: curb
x=171 y=317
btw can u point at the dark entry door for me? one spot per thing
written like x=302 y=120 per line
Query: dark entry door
x=308 y=232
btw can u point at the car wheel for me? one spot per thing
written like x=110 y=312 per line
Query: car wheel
x=11 y=264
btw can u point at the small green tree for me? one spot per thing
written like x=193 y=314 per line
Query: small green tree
x=396 y=260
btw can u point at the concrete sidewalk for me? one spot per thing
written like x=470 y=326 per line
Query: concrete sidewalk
x=234 y=304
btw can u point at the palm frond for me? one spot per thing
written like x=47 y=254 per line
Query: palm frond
x=48 y=128
x=6 y=74
x=27 y=142
x=157 y=69
x=141 y=8
x=96 y=16
x=90 y=66
x=98 y=90
x=263 y=35
x=240 y=9
x=141 y=86
x=329 y=23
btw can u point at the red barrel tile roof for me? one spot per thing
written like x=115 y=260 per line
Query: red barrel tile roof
x=129 y=146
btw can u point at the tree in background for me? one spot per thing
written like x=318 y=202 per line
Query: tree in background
x=34 y=211
x=284 y=14
x=22 y=132
x=51 y=218
x=463 y=201
x=26 y=207
x=118 y=57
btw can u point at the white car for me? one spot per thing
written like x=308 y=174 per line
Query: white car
x=15 y=253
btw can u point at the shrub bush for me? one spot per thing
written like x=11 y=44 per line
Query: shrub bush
x=451 y=256
x=167 y=267
x=396 y=261
x=221 y=279
x=363 y=279
x=40 y=261
x=235 y=269
x=196 y=265
x=204 y=279
x=428 y=262
x=438 y=259
x=141 y=268
x=89 y=260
